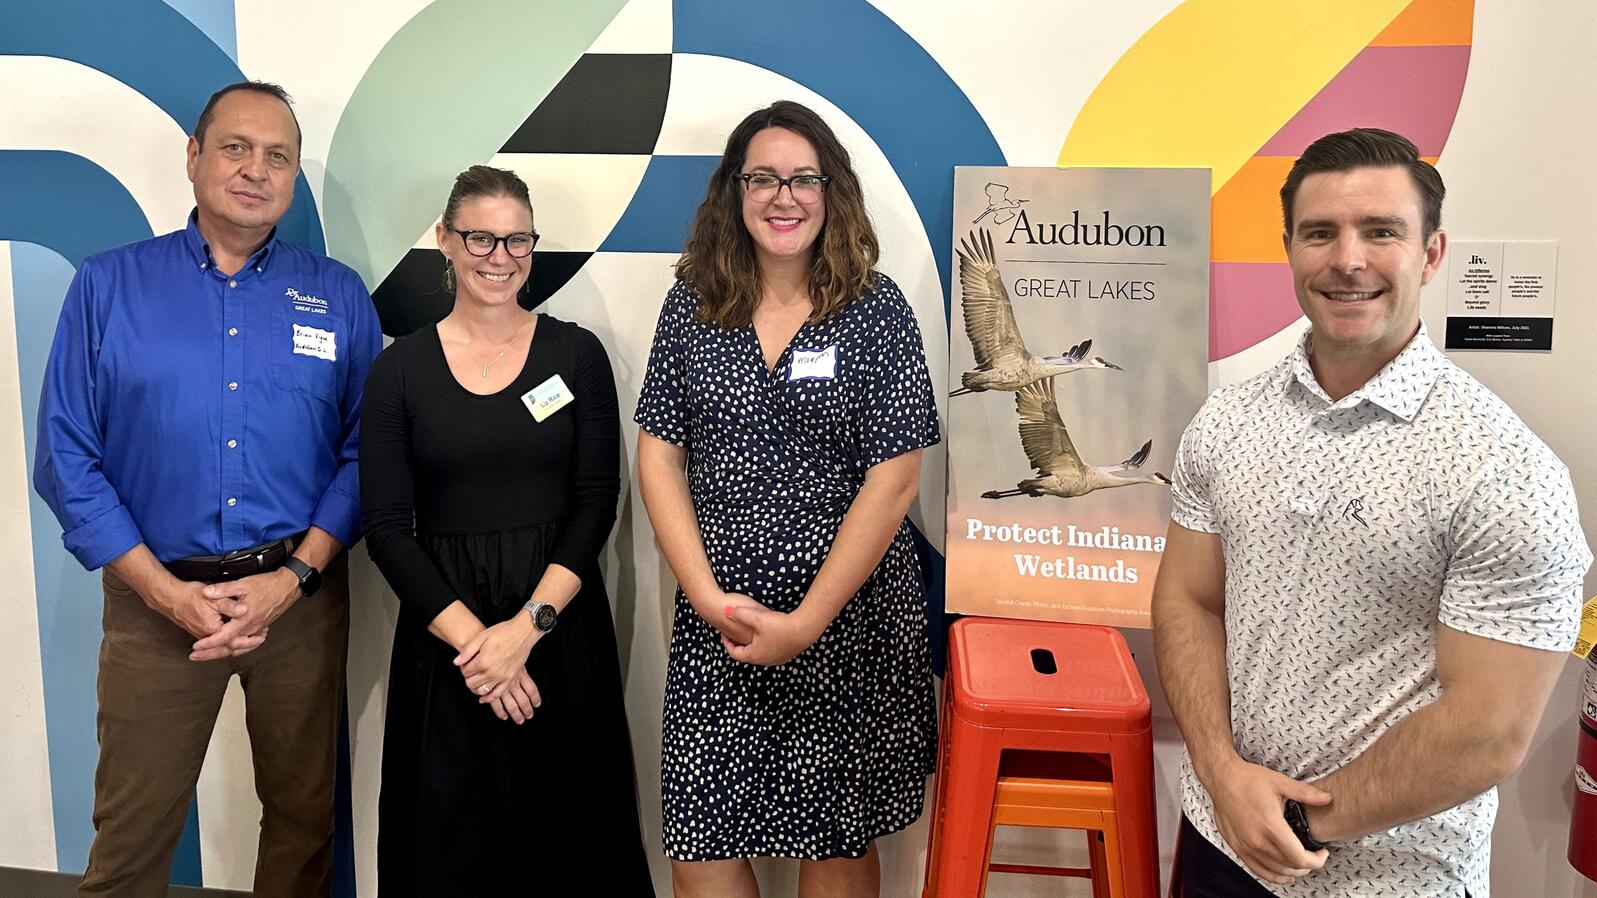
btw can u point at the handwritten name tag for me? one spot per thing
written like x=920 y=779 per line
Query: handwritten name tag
x=814 y=364
x=547 y=398
x=313 y=341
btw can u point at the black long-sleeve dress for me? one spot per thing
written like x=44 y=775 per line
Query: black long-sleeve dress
x=468 y=497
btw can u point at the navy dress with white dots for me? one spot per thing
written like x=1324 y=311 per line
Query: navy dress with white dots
x=817 y=757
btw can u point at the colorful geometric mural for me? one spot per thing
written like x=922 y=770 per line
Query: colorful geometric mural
x=1213 y=83
x=619 y=107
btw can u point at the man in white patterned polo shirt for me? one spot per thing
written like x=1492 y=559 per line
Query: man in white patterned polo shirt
x=1372 y=575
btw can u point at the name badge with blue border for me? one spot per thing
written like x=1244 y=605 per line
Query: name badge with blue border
x=813 y=364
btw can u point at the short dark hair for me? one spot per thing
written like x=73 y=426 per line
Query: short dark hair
x=259 y=87
x=718 y=261
x=485 y=180
x=1367 y=148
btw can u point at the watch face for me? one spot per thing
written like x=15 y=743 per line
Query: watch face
x=544 y=618
x=311 y=582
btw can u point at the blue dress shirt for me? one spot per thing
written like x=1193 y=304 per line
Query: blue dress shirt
x=199 y=412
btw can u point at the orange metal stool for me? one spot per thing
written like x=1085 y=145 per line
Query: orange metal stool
x=1017 y=693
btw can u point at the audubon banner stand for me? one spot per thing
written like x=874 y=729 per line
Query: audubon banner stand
x=1083 y=295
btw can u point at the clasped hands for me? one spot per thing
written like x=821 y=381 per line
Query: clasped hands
x=494 y=665
x=227 y=619
x=1248 y=803
x=755 y=634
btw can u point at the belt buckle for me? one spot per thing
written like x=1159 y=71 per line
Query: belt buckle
x=235 y=564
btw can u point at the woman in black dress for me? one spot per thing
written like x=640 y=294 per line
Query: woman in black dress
x=782 y=420
x=489 y=477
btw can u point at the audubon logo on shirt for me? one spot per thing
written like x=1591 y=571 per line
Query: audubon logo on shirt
x=1355 y=511
x=304 y=302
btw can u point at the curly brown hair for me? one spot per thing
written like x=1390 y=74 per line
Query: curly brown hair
x=718 y=261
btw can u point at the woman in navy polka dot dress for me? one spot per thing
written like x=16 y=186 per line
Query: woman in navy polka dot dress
x=782 y=420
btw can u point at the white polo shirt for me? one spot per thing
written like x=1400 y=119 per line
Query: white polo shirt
x=1351 y=531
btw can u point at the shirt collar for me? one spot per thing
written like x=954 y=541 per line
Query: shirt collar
x=201 y=251
x=1400 y=387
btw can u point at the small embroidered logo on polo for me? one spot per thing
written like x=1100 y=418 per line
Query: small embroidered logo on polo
x=1355 y=510
x=304 y=302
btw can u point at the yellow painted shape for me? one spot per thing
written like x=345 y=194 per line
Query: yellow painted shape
x=1588 y=629
x=1431 y=23
x=1247 y=213
x=1214 y=80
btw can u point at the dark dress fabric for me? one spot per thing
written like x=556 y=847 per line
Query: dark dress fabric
x=467 y=497
x=817 y=757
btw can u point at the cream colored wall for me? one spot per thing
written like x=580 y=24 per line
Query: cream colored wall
x=1519 y=165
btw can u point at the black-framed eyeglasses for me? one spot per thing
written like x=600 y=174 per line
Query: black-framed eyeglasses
x=762 y=186
x=483 y=243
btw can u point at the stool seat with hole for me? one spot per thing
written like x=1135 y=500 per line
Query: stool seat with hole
x=1044 y=724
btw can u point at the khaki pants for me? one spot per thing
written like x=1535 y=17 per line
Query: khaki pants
x=157 y=710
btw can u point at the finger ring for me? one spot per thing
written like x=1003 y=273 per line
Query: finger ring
x=483 y=689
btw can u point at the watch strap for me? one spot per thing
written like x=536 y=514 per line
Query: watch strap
x=1299 y=821
x=542 y=620
x=307 y=575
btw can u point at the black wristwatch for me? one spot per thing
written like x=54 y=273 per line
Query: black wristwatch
x=310 y=579
x=1299 y=821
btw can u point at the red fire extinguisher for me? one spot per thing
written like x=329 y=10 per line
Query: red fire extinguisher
x=1583 y=822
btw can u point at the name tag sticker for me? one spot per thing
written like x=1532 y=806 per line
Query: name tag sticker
x=547 y=398
x=814 y=364
x=315 y=342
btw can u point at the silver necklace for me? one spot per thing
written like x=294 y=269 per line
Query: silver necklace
x=506 y=348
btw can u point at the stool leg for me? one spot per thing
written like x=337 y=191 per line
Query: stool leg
x=1097 y=859
x=1131 y=758
x=1114 y=862
x=964 y=842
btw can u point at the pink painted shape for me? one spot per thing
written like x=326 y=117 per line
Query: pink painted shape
x=1248 y=301
x=1411 y=90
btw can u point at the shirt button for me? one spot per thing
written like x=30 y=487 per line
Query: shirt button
x=233 y=385
x=232 y=332
x=232 y=283
x=232 y=502
x=232 y=444
x=204 y=265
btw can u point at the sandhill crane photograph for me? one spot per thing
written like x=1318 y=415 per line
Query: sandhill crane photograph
x=1002 y=359
x=1074 y=364
x=1060 y=470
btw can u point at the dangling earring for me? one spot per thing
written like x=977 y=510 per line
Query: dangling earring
x=449 y=275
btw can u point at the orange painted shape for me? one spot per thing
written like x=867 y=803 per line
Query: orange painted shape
x=1247 y=213
x=1430 y=23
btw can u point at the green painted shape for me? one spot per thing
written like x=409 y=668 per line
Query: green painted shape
x=412 y=125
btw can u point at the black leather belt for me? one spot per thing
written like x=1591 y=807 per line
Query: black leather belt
x=242 y=563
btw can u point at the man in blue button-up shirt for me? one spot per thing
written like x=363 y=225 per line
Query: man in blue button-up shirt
x=197 y=438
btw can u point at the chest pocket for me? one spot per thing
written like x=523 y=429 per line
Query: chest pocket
x=305 y=351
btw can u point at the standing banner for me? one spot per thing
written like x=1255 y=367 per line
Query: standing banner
x=1084 y=299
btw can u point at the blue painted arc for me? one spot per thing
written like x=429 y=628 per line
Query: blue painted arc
x=661 y=211
x=878 y=75
x=219 y=21
x=58 y=208
x=66 y=203
x=154 y=49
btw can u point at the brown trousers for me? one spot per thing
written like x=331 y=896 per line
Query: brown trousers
x=157 y=710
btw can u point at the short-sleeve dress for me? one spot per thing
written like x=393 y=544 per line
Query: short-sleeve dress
x=468 y=497
x=817 y=757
